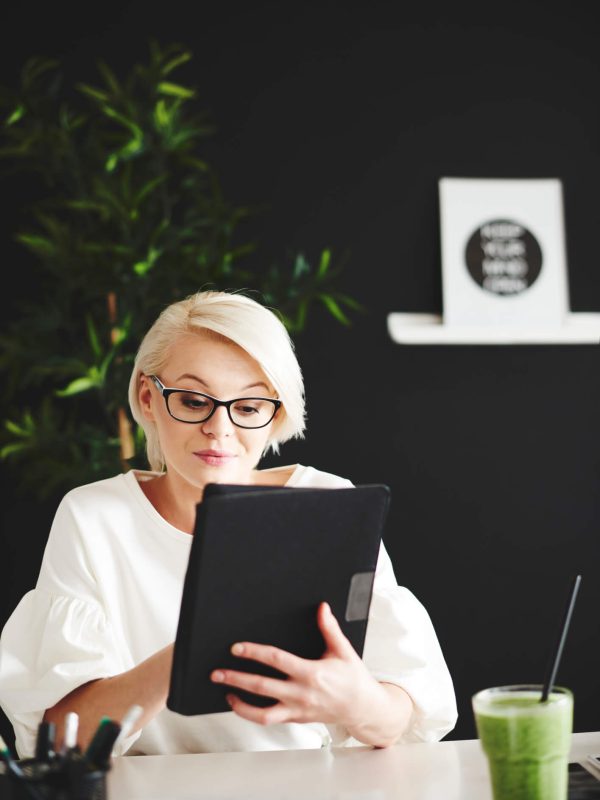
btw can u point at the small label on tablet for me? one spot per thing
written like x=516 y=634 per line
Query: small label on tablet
x=359 y=596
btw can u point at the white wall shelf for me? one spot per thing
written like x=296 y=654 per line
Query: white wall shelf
x=579 y=328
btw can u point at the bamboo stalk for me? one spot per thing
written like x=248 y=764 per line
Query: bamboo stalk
x=127 y=446
x=125 y=437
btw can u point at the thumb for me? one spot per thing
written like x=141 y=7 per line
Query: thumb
x=336 y=642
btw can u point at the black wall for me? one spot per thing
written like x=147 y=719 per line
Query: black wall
x=341 y=120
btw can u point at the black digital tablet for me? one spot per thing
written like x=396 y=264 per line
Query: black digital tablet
x=261 y=561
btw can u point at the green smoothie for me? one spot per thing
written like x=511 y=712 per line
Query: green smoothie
x=527 y=742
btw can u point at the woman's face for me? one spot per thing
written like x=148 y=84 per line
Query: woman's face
x=214 y=451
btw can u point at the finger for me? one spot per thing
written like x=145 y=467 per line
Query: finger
x=335 y=640
x=272 y=715
x=257 y=684
x=281 y=660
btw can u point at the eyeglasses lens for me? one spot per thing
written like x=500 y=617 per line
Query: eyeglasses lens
x=248 y=412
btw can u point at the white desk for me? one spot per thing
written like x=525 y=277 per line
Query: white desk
x=441 y=771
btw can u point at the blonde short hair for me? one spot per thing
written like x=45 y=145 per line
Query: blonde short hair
x=244 y=322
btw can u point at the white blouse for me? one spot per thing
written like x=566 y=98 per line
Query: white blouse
x=108 y=597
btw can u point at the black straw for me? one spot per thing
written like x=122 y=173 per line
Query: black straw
x=564 y=628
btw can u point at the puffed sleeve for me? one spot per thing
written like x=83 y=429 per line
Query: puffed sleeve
x=401 y=647
x=58 y=637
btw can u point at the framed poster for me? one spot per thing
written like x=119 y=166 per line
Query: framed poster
x=503 y=252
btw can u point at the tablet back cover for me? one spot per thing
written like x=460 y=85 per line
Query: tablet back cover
x=261 y=561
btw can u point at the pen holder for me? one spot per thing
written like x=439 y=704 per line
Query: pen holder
x=44 y=782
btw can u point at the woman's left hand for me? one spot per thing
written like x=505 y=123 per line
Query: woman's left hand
x=336 y=688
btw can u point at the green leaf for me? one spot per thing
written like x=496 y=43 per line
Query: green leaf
x=350 y=302
x=77 y=386
x=105 y=365
x=88 y=205
x=332 y=306
x=125 y=121
x=175 y=62
x=37 y=243
x=91 y=91
x=36 y=67
x=112 y=200
x=17 y=152
x=93 y=336
x=70 y=122
x=162 y=226
x=149 y=187
x=53 y=225
x=111 y=162
x=241 y=250
x=15 y=429
x=196 y=163
x=162 y=115
x=109 y=77
x=301 y=267
x=132 y=148
x=301 y=315
x=324 y=263
x=9 y=449
x=178 y=141
x=142 y=267
x=175 y=90
x=121 y=249
x=16 y=115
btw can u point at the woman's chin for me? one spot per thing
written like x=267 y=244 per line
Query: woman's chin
x=220 y=473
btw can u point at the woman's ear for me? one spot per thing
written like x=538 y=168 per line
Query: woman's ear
x=145 y=398
x=274 y=429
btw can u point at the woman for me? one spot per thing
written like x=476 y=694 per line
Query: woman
x=215 y=385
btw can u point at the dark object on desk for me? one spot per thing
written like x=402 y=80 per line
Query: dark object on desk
x=98 y=753
x=582 y=784
x=68 y=776
x=261 y=561
x=42 y=783
x=44 y=745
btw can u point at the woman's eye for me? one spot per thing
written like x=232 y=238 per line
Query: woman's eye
x=246 y=409
x=195 y=403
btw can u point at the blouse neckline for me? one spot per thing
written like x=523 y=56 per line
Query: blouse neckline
x=132 y=480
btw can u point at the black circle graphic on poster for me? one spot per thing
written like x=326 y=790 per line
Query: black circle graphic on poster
x=503 y=257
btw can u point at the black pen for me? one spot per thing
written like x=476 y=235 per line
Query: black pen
x=17 y=772
x=100 y=748
x=44 y=745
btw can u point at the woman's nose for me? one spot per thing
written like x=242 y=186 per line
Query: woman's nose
x=218 y=424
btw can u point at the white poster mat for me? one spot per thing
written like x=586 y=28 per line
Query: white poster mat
x=503 y=252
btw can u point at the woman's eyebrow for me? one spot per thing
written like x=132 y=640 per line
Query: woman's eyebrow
x=206 y=385
x=192 y=377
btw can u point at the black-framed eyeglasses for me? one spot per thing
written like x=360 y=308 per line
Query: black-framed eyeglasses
x=185 y=405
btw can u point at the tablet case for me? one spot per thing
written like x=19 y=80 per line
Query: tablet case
x=261 y=561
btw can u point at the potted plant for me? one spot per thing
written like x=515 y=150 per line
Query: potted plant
x=127 y=216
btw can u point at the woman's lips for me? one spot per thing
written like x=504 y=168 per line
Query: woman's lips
x=215 y=458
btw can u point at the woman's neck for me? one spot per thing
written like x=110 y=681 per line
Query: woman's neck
x=175 y=499
x=176 y=504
